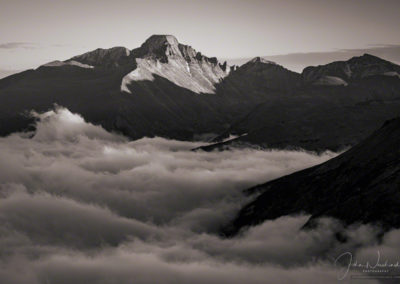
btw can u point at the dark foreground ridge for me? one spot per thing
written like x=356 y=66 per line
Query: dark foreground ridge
x=361 y=185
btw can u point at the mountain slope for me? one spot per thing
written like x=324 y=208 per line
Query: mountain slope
x=165 y=88
x=360 y=185
x=260 y=75
x=312 y=124
x=152 y=90
x=318 y=117
x=343 y=72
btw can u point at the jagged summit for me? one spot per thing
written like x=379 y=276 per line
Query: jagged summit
x=159 y=46
x=164 y=56
x=163 y=47
x=156 y=41
x=160 y=55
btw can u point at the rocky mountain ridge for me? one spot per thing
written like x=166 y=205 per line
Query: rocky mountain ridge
x=165 y=88
x=342 y=72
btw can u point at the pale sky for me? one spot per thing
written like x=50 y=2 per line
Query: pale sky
x=34 y=32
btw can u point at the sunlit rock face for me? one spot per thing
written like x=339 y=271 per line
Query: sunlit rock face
x=159 y=55
x=163 y=56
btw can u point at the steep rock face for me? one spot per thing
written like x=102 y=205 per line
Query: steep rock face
x=360 y=185
x=162 y=55
x=342 y=72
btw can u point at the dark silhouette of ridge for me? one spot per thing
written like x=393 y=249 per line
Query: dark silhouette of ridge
x=362 y=185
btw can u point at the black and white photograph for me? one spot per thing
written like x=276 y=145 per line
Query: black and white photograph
x=199 y=141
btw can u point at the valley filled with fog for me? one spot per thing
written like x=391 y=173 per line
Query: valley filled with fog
x=79 y=204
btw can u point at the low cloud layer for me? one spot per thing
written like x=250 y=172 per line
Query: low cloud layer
x=81 y=205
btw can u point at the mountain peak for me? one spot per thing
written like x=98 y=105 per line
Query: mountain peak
x=156 y=41
x=367 y=58
x=159 y=46
x=164 y=56
x=259 y=59
x=366 y=55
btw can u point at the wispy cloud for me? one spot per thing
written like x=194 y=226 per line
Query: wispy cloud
x=79 y=204
x=15 y=45
x=392 y=49
x=29 y=45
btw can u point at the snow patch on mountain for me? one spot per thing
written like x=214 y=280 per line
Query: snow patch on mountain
x=330 y=81
x=394 y=74
x=58 y=63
